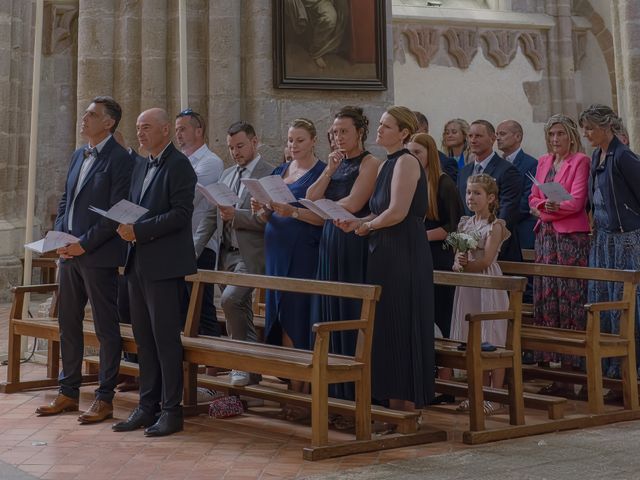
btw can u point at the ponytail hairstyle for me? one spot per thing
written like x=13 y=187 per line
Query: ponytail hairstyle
x=489 y=185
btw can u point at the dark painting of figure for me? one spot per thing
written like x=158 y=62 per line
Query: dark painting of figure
x=332 y=40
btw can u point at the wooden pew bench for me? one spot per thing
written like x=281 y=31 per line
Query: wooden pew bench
x=589 y=343
x=318 y=367
x=474 y=360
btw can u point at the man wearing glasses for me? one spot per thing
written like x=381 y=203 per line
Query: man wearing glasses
x=191 y=131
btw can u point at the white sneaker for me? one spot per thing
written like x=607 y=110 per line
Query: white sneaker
x=239 y=379
x=205 y=395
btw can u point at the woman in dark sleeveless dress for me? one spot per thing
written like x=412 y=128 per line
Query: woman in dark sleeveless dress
x=349 y=180
x=403 y=363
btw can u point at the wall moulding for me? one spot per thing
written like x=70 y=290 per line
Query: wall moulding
x=501 y=46
x=423 y=42
x=463 y=45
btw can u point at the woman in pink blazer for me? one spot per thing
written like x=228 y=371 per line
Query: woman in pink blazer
x=562 y=236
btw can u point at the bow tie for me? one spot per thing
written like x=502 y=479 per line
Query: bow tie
x=154 y=162
x=90 y=151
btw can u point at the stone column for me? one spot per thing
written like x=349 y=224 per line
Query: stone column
x=96 y=32
x=153 y=74
x=627 y=23
x=561 y=65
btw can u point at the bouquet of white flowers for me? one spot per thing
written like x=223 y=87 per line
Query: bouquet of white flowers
x=462 y=242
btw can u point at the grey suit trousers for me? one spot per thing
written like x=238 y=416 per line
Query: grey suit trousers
x=236 y=301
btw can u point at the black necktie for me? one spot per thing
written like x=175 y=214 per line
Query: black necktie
x=236 y=183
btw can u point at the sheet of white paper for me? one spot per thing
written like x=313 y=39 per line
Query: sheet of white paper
x=51 y=241
x=327 y=209
x=218 y=194
x=122 y=212
x=276 y=189
x=256 y=190
x=555 y=192
x=552 y=190
x=312 y=206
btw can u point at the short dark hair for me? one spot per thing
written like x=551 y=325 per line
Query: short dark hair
x=487 y=124
x=111 y=107
x=422 y=119
x=241 y=126
x=195 y=118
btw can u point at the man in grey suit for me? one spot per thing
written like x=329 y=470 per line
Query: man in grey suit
x=239 y=235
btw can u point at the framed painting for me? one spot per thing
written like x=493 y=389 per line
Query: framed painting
x=330 y=44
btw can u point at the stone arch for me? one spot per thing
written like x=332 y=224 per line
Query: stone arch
x=603 y=36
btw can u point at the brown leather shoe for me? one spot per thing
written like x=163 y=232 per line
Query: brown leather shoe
x=60 y=404
x=98 y=411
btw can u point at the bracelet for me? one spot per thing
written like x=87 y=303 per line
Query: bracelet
x=327 y=174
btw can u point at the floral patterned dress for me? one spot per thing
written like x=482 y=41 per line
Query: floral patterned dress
x=559 y=302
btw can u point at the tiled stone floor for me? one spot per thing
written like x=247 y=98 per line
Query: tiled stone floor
x=253 y=446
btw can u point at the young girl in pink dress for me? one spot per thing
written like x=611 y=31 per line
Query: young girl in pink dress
x=491 y=232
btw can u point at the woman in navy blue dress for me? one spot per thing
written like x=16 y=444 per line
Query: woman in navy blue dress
x=402 y=356
x=348 y=179
x=292 y=235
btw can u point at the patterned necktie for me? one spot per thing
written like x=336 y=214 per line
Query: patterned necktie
x=236 y=183
x=90 y=151
x=477 y=169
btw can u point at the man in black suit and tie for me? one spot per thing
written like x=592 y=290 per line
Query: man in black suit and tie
x=447 y=164
x=509 y=135
x=510 y=183
x=160 y=255
x=99 y=176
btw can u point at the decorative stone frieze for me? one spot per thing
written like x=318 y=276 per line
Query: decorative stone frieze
x=423 y=43
x=501 y=46
x=533 y=48
x=58 y=23
x=463 y=45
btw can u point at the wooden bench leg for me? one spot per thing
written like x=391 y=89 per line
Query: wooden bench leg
x=320 y=414
x=516 y=395
x=190 y=394
x=476 y=412
x=13 y=366
x=363 y=407
x=629 y=382
x=53 y=359
x=594 y=382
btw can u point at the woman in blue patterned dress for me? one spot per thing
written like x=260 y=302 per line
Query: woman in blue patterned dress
x=348 y=179
x=615 y=201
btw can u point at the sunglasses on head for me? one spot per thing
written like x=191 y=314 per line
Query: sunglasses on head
x=188 y=112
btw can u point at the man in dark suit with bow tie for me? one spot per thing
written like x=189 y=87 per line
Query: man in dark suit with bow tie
x=99 y=176
x=510 y=182
x=160 y=254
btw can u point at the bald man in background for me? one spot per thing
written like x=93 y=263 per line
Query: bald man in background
x=160 y=254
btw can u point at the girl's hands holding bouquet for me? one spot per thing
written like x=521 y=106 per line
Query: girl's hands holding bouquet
x=461 y=261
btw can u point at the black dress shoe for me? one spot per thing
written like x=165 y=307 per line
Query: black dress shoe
x=168 y=423
x=442 y=399
x=137 y=419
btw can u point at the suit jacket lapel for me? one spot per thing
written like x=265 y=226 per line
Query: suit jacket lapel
x=566 y=165
x=491 y=166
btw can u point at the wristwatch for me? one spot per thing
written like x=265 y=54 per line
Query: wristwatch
x=295 y=213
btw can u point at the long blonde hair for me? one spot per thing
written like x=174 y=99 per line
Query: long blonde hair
x=489 y=185
x=433 y=171
x=569 y=126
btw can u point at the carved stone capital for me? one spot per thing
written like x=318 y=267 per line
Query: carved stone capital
x=502 y=46
x=423 y=43
x=58 y=26
x=533 y=47
x=463 y=45
x=398 y=45
x=579 y=48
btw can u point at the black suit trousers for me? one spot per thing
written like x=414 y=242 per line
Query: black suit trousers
x=99 y=285
x=156 y=320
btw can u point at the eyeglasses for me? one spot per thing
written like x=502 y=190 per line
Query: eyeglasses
x=188 y=112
